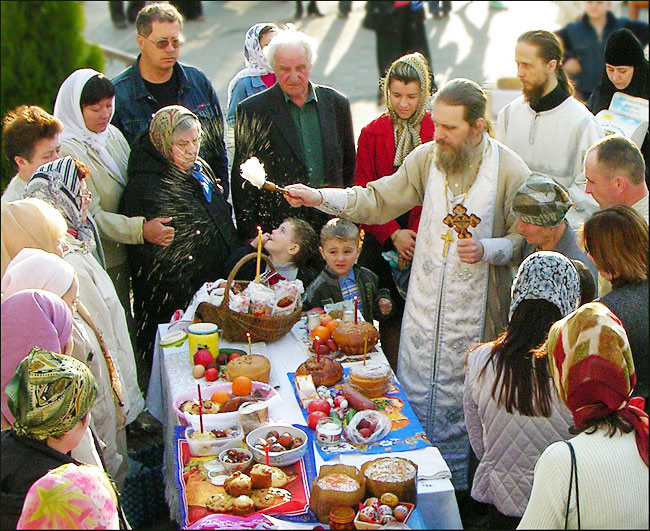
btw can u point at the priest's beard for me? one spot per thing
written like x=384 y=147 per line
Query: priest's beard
x=533 y=95
x=456 y=160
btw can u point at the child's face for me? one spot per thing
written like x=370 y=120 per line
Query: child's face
x=340 y=255
x=281 y=239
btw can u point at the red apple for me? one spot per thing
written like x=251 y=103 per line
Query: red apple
x=325 y=318
x=203 y=357
x=365 y=432
x=234 y=356
x=211 y=374
x=313 y=419
x=320 y=404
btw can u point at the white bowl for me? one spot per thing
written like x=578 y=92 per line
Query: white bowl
x=234 y=467
x=213 y=446
x=288 y=457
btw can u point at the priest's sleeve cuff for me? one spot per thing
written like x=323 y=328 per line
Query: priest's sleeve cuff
x=334 y=200
x=497 y=251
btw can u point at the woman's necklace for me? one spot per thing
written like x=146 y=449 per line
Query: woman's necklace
x=457 y=217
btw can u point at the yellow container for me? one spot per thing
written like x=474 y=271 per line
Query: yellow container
x=203 y=335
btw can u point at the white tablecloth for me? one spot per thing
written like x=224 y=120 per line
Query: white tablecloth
x=171 y=376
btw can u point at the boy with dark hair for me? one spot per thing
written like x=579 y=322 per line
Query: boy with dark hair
x=30 y=137
x=342 y=279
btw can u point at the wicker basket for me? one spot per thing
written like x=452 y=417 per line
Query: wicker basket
x=234 y=325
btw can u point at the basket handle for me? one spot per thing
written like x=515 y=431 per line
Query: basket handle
x=235 y=270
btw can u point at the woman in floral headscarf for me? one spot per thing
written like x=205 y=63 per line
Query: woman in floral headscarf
x=167 y=178
x=383 y=145
x=50 y=396
x=593 y=371
x=509 y=394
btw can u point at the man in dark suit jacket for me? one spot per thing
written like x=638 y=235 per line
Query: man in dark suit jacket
x=300 y=131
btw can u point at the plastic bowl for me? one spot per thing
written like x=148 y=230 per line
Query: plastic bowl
x=288 y=457
x=234 y=467
x=213 y=446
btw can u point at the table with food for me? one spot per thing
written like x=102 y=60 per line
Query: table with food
x=274 y=418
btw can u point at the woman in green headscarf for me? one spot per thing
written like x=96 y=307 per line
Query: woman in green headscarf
x=167 y=178
x=50 y=396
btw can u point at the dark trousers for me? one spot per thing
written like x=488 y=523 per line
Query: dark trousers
x=190 y=9
x=117 y=10
x=345 y=6
x=501 y=521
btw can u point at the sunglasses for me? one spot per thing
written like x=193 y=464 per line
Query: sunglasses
x=162 y=44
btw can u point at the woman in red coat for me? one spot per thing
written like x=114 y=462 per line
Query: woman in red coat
x=383 y=145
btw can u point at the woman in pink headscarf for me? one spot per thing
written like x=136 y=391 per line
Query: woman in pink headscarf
x=50 y=328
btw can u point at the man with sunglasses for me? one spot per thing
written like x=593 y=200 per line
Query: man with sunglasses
x=156 y=79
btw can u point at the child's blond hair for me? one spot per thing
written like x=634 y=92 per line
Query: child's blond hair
x=338 y=228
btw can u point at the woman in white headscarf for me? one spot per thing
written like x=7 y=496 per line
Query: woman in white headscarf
x=85 y=105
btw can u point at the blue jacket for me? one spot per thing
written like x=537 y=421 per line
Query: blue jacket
x=134 y=107
x=246 y=86
x=581 y=42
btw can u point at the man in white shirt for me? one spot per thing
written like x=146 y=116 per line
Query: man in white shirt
x=615 y=173
x=547 y=126
x=30 y=138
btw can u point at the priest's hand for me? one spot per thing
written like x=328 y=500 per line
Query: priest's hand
x=300 y=195
x=470 y=250
x=404 y=242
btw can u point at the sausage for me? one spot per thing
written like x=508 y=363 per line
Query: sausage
x=234 y=403
x=356 y=400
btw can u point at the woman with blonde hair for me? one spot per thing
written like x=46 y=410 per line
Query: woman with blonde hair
x=616 y=239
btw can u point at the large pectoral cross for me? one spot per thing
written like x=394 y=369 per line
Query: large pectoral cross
x=460 y=221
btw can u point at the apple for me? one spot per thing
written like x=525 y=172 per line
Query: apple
x=319 y=310
x=203 y=357
x=222 y=359
x=211 y=374
x=314 y=417
x=234 y=356
x=365 y=432
x=363 y=423
x=320 y=404
x=325 y=318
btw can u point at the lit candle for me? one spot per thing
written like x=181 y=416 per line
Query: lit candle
x=259 y=254
x=317 y=347
x=365 y=346
x=200 y=408
x=250 y=347
x=266 y=453
x=356 y=306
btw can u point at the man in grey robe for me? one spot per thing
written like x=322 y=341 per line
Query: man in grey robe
x=459 y=289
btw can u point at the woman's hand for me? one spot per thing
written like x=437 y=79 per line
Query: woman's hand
x=404 y=242
x=301 y=195
x=155 y=231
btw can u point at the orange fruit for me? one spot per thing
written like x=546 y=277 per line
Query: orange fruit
x=220 y=397
x=242 y=386
x=322 y=332
x=332 y=325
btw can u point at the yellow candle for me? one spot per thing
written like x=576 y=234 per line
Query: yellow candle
x=365 y=346
x=259 y=254
x=250 y=346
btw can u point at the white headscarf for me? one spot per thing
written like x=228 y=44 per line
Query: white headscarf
x=37 y=269
x=67 y=108
x=255 y=60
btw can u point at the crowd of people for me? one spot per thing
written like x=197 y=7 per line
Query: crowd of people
x=507 y=267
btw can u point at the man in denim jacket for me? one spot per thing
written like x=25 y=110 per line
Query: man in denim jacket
x=156 y=79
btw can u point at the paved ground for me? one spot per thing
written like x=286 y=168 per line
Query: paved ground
x=474 y=42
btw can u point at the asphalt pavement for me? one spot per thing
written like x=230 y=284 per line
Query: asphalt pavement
x=475 y=42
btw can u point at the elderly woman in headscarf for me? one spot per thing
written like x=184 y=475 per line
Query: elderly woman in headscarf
x=167 y=178
x=509 y=394
x=37 y=269
x=598 y=479
x=49 y=396
x=383 y=145
x=62 y=183
x=85 y=105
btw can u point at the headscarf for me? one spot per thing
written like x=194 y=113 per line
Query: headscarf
x=71 y=497
x=548 y=276
x=58 y=183
x=31 y=318
x=592 y=367
x=407 y=137
x=29 y=223
x=162 y=127
x=67 y=108
x=541 y=201
x=622 y=49
x=49 y=393
x=256 y=62
x=35 y=266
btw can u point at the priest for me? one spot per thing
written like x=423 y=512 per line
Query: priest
x=459 y=290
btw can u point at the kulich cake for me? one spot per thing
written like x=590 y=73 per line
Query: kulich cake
x=324 y=371
x=270 y=497
x=372 y=379
x=254 y=366
x=261 y=476
x=243 y=505
x=336 y=485
x=220 y=502
x=391 y=474
x=350 y=336
x=238 y=484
